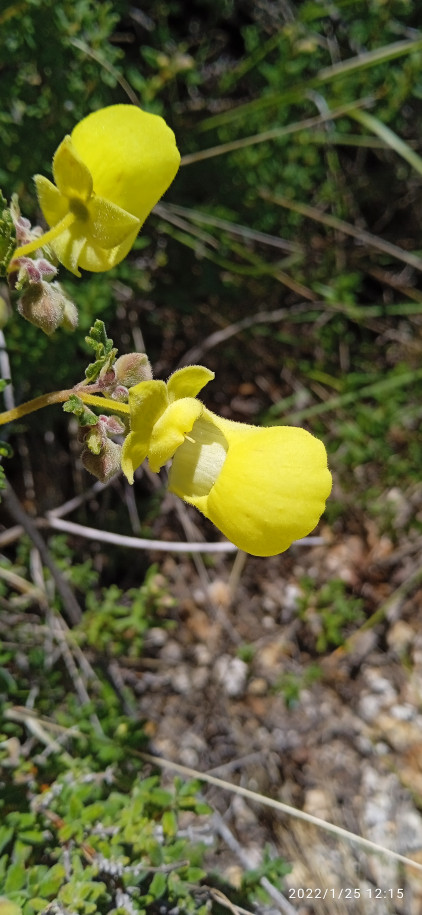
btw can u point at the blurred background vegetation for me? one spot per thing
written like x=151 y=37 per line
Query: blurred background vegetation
x=293 y=229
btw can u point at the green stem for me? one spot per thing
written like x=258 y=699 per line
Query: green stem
x=45 y=239
x=38 y=403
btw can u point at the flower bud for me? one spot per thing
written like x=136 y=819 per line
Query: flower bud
x=41 y=304
x=25 y=271
x=46 y=306
x=132 y=368
x=70 y=315
x=105 y=464
x=112 y=424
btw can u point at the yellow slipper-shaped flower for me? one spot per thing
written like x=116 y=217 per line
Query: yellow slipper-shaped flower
x=262 y=487
x=109 y=174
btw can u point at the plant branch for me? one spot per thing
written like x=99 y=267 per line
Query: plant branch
x=70 y=605
x=45 y=400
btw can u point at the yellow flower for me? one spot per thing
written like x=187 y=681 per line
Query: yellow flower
x=109 y=174
x=262 y=487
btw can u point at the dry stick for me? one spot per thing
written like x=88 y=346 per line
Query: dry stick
x=224 y=901
x=17 y=583
x=76 y=501
x=102 y=60
x=187 y=772
x=230 y=840
x=70 y=605
x=6 y=373
x=59 y=632
x=139 y=543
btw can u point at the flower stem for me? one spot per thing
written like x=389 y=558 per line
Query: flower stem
x=45 y=239
x=38 y=403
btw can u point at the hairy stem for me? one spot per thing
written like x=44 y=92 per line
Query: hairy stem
x=38 y=403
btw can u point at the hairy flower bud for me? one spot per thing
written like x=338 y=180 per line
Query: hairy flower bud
x=70 y=315
x=127 y=371
x=25 y=271
x=46 y=306
x=132 y=368
x=105 y=464
x=43 y=304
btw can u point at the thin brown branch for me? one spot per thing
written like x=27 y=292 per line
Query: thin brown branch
x=71 y=607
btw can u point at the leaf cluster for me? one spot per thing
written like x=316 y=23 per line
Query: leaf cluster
x=332 y=611
x=7 y=235
x=115 y=622
x=94 y=843
x=104 y=351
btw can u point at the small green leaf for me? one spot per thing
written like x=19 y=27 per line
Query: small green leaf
x=195 y=874
x=37 y=904
x=6 y=834
x=169 y=822
x=6 y=450
x=160 y=797
x=53 y=880
x=15 y=878
x=33 y=837
x=84 y=415
x=157 y=886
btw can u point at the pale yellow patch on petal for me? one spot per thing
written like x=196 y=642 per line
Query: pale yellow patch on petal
x=198 y=463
